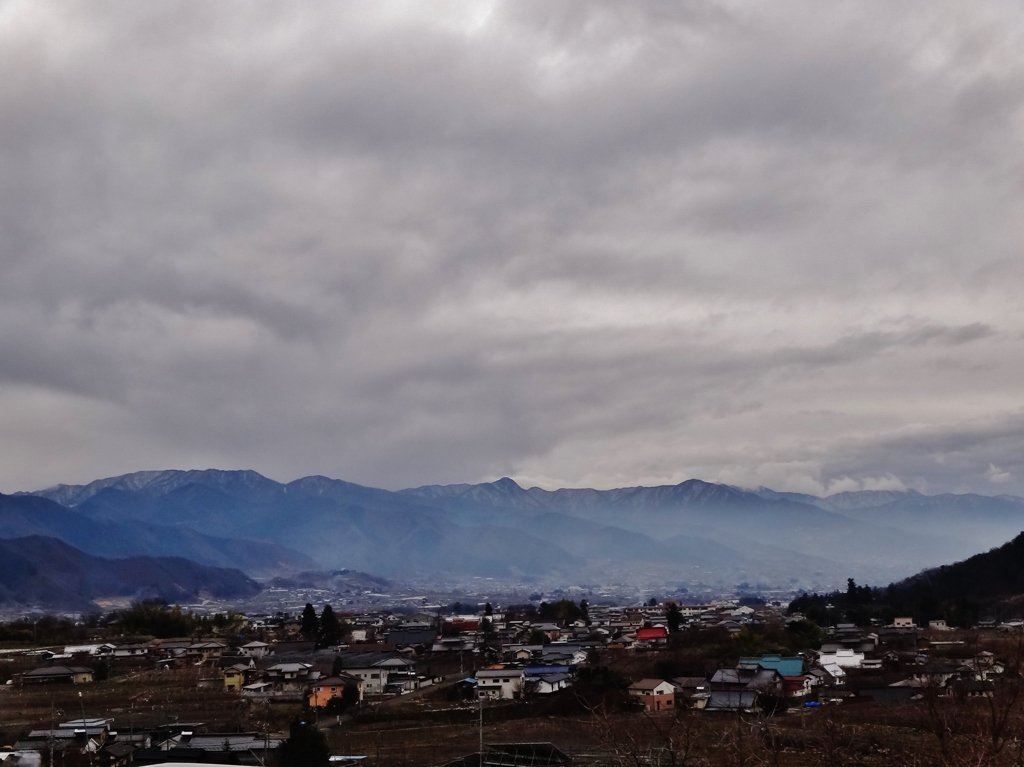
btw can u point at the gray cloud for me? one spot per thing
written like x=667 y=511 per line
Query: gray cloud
x=589 y=243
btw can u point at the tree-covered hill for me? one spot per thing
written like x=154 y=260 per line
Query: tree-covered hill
x=960 y=593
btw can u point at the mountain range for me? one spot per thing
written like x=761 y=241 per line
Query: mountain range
x=27 y=515
x=695 y=532
x=38 y=570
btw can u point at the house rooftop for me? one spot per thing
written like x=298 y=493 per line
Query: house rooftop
x=647 y=684
x=336 y=681
x=46 y=671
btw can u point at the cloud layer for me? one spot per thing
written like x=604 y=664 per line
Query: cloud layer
x=580 y=243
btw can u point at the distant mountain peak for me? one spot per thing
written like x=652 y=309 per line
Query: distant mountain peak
x=507 y=484
x=162 y=482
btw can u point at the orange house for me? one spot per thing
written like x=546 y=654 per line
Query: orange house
x=325 y=690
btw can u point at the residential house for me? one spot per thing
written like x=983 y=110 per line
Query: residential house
x=419 y=638
x=523 y=653
x=732 y=700
x=786 y=666
x=235 y=676
x=567 y=654
x=173 y=648
x=221 y=748
x=655 y=694
x=552 y=630
x=201 y=652
x=461 y=624
x=290 y=677
x=694 y=690
x=130 y=651
x=382 y=672
x=454 y=644
x=650 y=637
x=58 y=675
x=256 y=649
x=731 y=626
x=500 y=683
x=797 y=686
x=244 y=748
x=401 y=675
x=325 y=690
x=227 y=661
x=935 y=673
x=95 y=650
x=840 y=656
x=828 y=676
x=64 y=739
x=545 y=684
x=119 y=748
x=257 y=689
x=757 y=679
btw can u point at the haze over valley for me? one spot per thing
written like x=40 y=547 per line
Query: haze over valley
x=695 y=536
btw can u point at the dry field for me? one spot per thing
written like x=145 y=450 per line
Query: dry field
x=140 y=698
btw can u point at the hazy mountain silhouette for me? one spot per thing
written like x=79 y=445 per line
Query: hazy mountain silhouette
x=45 y=571
x=499 y=529
x=123 y=535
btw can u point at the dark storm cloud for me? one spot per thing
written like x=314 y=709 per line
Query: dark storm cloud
x=581 y=243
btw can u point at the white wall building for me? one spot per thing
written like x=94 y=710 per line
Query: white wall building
x=841 y=657
x=499 y=684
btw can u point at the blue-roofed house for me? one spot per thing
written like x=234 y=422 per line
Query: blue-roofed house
x=786 y=666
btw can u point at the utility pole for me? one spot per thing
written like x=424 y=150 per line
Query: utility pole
x=51 y=732
x=266 y=730
x=86 y=728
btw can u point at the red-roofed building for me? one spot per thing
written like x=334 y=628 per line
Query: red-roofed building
x=654 y=636
x=796 y=686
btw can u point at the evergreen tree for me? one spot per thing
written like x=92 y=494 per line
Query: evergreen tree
x=562 y=611
x=330 y=628
x=306 y=746
x=310 y=625
x=487 y=630
x=488 y=609
x=350 y=695
x=674 y=616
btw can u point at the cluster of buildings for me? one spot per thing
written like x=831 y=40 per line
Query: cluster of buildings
x=501 y=658
x=102 y=744
x=856 y=665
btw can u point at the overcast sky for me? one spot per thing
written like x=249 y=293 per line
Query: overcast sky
x=576 y=243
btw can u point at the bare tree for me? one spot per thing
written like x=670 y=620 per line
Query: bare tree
x=978 y=721
x=662 y=739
